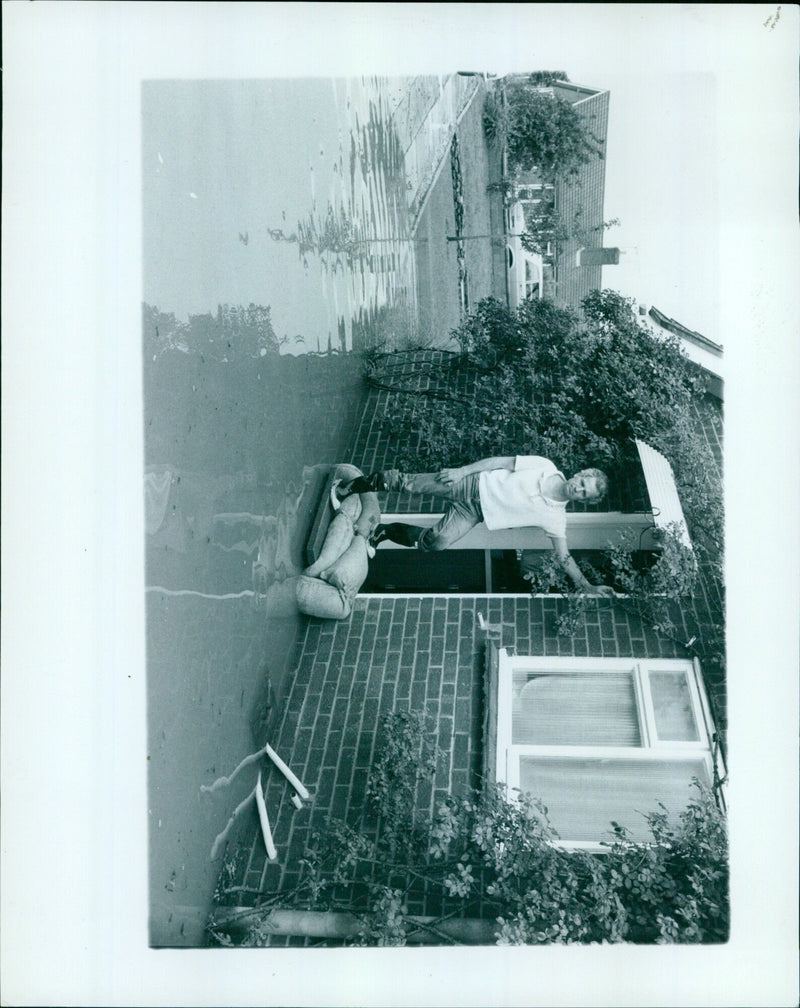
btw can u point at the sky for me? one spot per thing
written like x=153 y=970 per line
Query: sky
x=663 y=162
x=661 y=182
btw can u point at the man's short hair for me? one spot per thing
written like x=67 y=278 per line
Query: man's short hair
x=601 y=481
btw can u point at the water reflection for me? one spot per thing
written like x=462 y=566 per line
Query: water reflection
x=361 y=243
x=196 y=549
x=283 y=248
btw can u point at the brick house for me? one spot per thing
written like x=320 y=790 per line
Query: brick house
x=574 y=266
x=484 y=662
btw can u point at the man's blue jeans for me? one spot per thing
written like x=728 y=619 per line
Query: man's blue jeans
x=462 y=513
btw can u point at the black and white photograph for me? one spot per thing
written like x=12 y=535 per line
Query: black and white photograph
x=431 y=508
x=428 y=632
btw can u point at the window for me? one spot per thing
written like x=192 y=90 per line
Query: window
x=601 y=740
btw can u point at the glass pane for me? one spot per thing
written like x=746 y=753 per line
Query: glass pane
x=574 y=708
x=583 y=796
x=672 y=707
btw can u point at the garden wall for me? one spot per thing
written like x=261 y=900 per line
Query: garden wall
x=419 y=654
x=426 y=654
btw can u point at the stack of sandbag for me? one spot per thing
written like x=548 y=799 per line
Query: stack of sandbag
x=327 y=588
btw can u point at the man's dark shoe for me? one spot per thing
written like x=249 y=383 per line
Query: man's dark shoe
x=374 y=483
x=359 y=484
x=378 y=536
x=398 y=532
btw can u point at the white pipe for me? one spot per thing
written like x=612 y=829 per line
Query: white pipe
x=262 y=815
x=287 y=773
x=316 y=924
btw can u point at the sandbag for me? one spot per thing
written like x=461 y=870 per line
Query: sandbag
x=318 y=598
x=337 y=539
x=369 y=517
x=353 y=505
x=327 y=588
x=350 y=570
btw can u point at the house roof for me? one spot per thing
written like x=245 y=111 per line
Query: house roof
x=703 y=352
x=686 y=334
x=582 y=194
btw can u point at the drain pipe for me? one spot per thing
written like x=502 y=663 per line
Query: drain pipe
x=237 y=922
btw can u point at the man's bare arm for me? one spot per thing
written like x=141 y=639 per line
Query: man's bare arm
x=574 y=572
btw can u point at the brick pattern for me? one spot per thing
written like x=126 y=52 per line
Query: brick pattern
x=418 y=654
x=706 y=611
x=697 y=618
x=583 y=194
x=374 y=447
x=424 y=654
x=427 y=654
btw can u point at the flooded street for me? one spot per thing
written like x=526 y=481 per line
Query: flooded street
x=287 y=226
x=302 y=195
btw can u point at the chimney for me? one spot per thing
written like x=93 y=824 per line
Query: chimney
x=598 y=257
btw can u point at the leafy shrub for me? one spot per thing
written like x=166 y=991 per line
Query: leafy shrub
x=540 y=129
x=405 y=757
x=541 y=381
x=500 y=859
x=672 y=889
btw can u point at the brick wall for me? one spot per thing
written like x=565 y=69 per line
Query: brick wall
x=423 y=654
x=426 y=654
x=374 y=448
x=404 y=377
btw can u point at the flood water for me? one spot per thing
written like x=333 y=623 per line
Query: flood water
x=287 y=193
x=302 y=200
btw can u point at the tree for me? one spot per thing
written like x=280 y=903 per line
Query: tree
x=546 y=229
x=540 y=129
x=544 y=78
x=162 y=332
x=235 y=332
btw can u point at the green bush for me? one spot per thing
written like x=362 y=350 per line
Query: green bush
x=483 y=855
x=671 y=889
x=404 y=758
x=543 y=380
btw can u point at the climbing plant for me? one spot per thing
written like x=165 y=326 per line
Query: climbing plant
x=575 y=387
x=493 y=856
x=545 y=380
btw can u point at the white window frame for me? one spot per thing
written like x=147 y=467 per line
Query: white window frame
x=508 y=754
